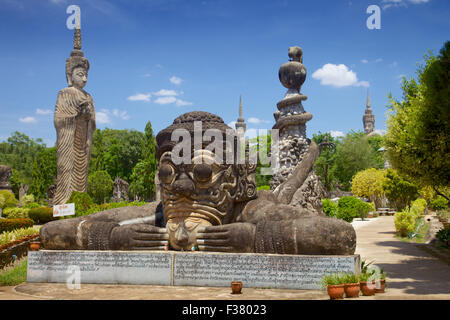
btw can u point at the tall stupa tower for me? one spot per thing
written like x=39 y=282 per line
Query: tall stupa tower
x=240 y=124
x=368 y=117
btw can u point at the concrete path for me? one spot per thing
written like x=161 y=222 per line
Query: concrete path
x=411 y=274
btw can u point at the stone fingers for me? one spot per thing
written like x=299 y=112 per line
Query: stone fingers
x=214 y=248
x=213 y=235
x=149 y=244
x=150 y=236
x=213 y=242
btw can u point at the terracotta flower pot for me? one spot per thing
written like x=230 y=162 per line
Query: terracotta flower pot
x=336 y=292
x=380 y=286
x=367 y=288
x=236 y=287
x=352 y=290
x=35 y=245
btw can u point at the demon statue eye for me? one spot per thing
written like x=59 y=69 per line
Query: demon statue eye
x=202 y=172
x=166 y=173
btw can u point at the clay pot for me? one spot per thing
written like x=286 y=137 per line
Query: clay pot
x=336 y=292
x=236 y=287
x=367 y=289
x=35 y=245
x=352 y=290
x=382 y=285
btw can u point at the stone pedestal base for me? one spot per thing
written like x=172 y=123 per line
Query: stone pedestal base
x=186 y=268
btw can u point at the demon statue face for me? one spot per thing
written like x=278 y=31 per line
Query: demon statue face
x=204 y=191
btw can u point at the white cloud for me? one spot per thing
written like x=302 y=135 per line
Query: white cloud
x=102 y=116
x=164 y=92
x=166 y=100
x=336 y=134
x=121 y=114
x=28 y=120
x=378 y=60
x=146 y=75
x=338 y=76
x=256 y=120
x=393 y=64
x=58 y=1
x=181 y=103
x=400 y=3
x=159 y=66
x=176 y=80
x=365 y=61
x=43 y=112
x=140 y=97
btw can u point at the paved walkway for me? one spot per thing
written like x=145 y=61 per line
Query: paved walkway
x=411 y=274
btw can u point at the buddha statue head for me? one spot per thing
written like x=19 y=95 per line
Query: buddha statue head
x=204 y=190
x=77 y=66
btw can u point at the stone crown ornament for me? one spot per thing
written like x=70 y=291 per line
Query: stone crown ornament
x=76 y=59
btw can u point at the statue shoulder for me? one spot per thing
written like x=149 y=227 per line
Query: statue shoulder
x=68 y=90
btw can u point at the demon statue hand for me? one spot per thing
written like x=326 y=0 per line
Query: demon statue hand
x=209 y=205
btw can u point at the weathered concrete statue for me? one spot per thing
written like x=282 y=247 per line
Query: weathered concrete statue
x=5 y=174
x=75 y=125
x=211 y=206
x=120 y=192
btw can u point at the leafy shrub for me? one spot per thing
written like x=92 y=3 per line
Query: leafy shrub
x=347 y=208
x=107 y=206
x=363 y=208
x=418 y=207
x=16 y=213
x=329 y=207
x=10 y=199
x=444 y=236
x=399 y=191
x=2 y=201
x=8 y=236
x=82 y=202
x=31 y=205
x=100 y=186
x=28 y=198
x=13 y=224
x=41 y=215
x=404 y=222
x=264 y=187
x=439 y=203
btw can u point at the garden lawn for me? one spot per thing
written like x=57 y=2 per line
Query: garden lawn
x=14 y=276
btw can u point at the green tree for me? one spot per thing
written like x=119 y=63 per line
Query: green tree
x=369 y=184
x=354 y=154
x=100 y=186
x=261 y=145
x=324 y=164
x=19 y=152
x=418 y=126
x=143 y=174
x=116 y=151
x=399 y=191
x=44 y=172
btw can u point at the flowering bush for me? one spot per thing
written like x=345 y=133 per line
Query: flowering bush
x=12 y=224
x=405 y=222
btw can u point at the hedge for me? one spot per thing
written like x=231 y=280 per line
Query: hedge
x=41 y=215
x=13 y=224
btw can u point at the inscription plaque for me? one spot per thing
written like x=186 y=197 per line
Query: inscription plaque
x=187 y=268
x=120 y=267
x=259 y=270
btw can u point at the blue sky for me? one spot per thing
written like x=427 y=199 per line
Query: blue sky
x=154 y=60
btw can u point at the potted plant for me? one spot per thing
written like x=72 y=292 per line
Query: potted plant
x=335 y=285
x=351 y=285
x=380 y=284
x=367 y=286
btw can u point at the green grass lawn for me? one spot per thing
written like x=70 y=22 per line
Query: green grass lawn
x=14 y=276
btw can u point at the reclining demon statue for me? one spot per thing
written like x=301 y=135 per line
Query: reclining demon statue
x=209 y=205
